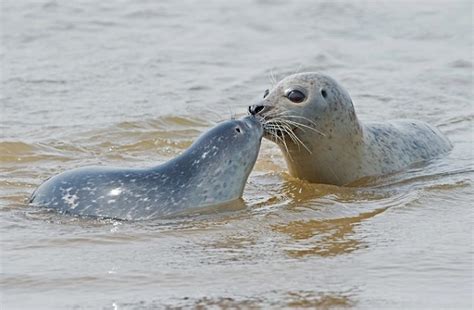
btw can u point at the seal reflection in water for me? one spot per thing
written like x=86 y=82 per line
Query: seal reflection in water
x=212 y=171
x=312 y=118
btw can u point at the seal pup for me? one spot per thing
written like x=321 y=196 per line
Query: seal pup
x=212 y=171
x=313 y=121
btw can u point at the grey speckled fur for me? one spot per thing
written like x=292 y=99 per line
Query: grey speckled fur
x=213 y=170
x=341 y=149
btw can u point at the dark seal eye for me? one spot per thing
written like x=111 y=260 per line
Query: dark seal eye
x=324 y=93
x=295 y=96
x=237 y=129
x=266 y=93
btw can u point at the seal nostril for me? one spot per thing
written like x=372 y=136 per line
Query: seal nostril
x=255 y=109
x=266 y=93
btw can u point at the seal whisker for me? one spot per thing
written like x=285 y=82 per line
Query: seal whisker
x=301 y=126
x=298 y=68
x=304 y=118
x=272 y=127
x=288 y=114
x=301 y=142
x=297 y=140
x=286 y=147
x=275 y=114
x=285 y=113
x=273 y=79
x=287 y=129
x=282 y=123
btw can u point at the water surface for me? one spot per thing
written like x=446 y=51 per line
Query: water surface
x=134 y=83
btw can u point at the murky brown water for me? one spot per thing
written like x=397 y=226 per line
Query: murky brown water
x=134 y=83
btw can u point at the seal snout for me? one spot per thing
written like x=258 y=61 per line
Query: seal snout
x=253 y=124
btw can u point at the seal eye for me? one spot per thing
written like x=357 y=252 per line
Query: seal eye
x=295 y=96
x=237 y=129
x=265 y=94
x=324 y=93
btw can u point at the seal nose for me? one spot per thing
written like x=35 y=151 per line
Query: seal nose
x=256 y=108
x=254 y=125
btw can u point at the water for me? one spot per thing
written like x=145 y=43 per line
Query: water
x=134 y=83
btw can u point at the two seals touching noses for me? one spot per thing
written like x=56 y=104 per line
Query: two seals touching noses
x=309 y=115
x=313 y=121
x=212 y=171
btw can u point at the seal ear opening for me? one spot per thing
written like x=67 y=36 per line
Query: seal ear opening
x=324 y=93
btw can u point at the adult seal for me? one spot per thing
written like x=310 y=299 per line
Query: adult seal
x=212 y=171
x=312 y=118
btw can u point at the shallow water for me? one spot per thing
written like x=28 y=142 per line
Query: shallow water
x=134 y=83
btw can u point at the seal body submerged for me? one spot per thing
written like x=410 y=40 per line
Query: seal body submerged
x=212 y=171
x=312 y=118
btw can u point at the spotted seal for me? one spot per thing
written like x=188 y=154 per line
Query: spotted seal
x=212 y=171
x=312 y=119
